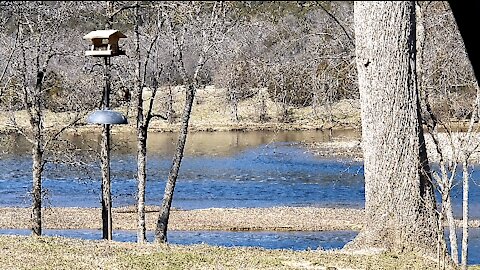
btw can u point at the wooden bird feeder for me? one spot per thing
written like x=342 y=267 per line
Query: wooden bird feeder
x=104 y=43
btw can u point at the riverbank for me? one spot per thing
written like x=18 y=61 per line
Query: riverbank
x=211 y=112
x=451 y=146
x=19 y=252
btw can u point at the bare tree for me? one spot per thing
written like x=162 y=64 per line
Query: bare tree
x=444 y=180
x=451 y=72
x=38 y=25
x=145 y=115
x=465 y=15
x=210 y=18
x=235 y=76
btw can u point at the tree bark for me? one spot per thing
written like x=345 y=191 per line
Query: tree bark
x=399 y=196
x=37 y=168
x=451 y=225
x=170 y=111
x=162 y=222
x=35 y=112
x=142 y=179
x=141 y=138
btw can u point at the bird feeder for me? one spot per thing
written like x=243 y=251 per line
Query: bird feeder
x=104 y=43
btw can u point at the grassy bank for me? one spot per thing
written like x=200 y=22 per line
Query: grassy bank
x=18 y=252
x=212 y=112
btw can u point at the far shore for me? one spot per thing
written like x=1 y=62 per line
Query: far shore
x=338 y=146
x=195 y=126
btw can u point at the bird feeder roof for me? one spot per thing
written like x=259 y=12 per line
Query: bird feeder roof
x=104 y=34
x=106 y=117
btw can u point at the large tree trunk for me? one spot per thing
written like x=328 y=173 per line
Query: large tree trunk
x=162 y=222
x=399 y=197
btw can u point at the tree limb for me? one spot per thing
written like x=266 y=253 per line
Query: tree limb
x=8 y=62
x=61 y=130
x=337 y=21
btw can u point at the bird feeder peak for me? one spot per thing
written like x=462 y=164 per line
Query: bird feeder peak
x=104 y=34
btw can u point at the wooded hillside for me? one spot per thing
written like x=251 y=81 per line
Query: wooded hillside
x=287 y=58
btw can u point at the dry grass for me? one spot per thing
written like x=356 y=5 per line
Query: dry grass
x=338 y=149
x=238 y=219
x=18 y=252
x=211 y=112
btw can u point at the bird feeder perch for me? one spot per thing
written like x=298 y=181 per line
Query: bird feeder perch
x=104 y=43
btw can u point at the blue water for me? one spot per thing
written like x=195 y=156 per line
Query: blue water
x=473 y=245
x=325 y=240
x=275 y=174
x=268 y=175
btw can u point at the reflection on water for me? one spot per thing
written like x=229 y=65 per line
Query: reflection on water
x=198 y=143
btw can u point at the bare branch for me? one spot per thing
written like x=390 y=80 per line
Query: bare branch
x=158 y=116
x=352 y=43
x=13 y=123
x=9 y=58
x=55 y=135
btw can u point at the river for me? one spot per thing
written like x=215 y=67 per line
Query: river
x=223 y=169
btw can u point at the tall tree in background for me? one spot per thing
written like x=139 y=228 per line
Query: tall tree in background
x=399 y=197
